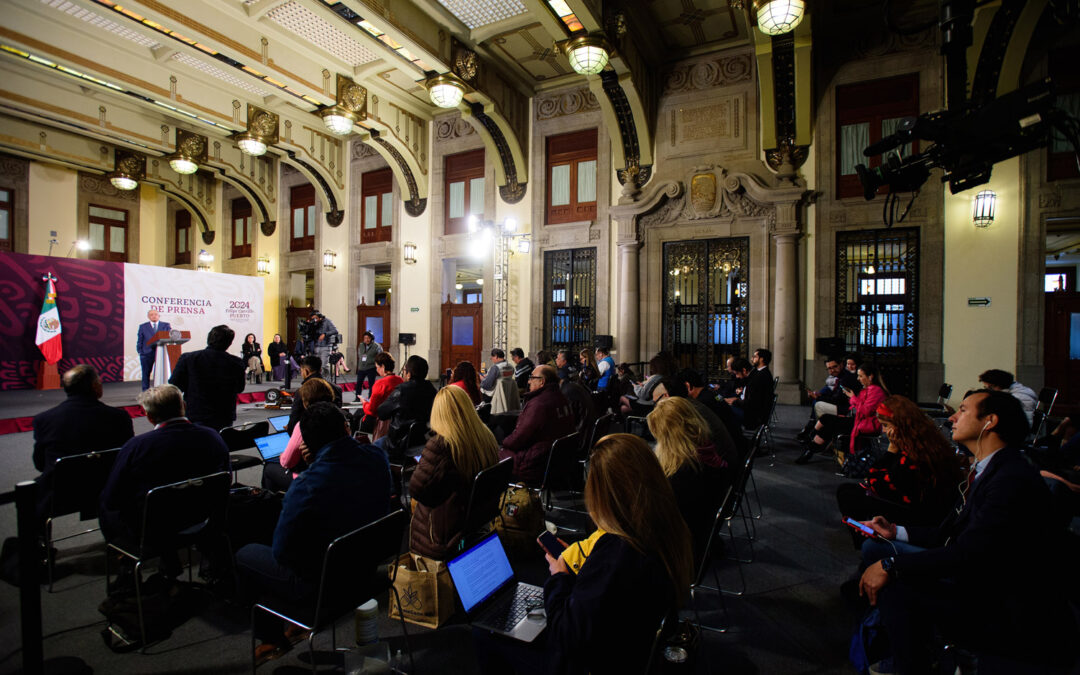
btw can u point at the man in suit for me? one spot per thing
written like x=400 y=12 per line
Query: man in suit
x=753 y=405
x=82 y=423
x=988 y=576
x=210 y=379
x=174 y=451
x=148 y=330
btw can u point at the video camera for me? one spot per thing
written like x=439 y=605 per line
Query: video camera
x=966 y=143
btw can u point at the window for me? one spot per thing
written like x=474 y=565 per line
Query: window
x=377 y=216
x=570 y=298
x=866 y=113
x=243 y=228
x=108 y=234
x=464 y=190
x=571 y=177
x=1060 y=161
x=7 y=198
x=183 y=238
x=1060 y=279
x=302 y=201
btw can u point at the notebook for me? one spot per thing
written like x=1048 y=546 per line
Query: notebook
x=493 y=600
x=271 y=446
x=279 y=422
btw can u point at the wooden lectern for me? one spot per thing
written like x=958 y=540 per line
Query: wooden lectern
x=166 y=344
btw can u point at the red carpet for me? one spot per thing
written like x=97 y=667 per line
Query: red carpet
x=16 y=425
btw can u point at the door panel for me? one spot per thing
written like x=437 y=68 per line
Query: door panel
x=1062 y=350
x=462 y=334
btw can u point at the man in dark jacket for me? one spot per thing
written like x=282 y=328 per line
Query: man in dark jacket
x=409 y=403
x=82 y=423
x=523 y=367
x=210 y=379
x=346 y=486
x=990 y=576
x=174 y=451
x=581 y=404
x=755 y=402
x=310 y=367
x=698 y=390
x=545 y=416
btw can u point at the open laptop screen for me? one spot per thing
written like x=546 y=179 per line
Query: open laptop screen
x=279 y=422
x=480 y=571
x=271 y=446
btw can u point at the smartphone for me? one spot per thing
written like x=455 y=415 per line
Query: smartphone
x=551 y=544
x=865 y=529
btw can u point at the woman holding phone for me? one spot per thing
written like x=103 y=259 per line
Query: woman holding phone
x=863 y=420
x=604 y=618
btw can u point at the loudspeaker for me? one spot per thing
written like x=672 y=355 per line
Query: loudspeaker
x=406 y=338
x=602 y=341
x=830 y=346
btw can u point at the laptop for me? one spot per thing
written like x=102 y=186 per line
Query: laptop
x=279 y=422
x=271 y=446
x=493 y=600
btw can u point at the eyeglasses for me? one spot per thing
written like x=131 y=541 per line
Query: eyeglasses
x=536 y=377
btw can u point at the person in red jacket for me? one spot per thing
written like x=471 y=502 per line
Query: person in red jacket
x=386 y=383
x=545 y=417
x=863 y=422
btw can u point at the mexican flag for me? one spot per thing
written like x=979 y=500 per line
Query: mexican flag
x=48 y=326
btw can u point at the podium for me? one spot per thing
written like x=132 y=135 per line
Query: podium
x=166 y=344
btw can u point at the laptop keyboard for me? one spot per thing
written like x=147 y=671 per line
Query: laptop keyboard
x=506 y=614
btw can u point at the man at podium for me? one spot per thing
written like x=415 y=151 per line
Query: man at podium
x=147 y=331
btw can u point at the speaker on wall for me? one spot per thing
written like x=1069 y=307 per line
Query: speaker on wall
x=830 y=346
x=602 y=341
x=406 y=338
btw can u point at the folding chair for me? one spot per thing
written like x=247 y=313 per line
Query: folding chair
x=488 y=486
x=560 y=464
x=339 y=591
x=734 y=507
x=174 y=516
x=706 y=563
x=77 y=482
x=1047 y=398
x=242 y=437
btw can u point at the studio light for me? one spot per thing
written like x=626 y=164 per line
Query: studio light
x=445 y=91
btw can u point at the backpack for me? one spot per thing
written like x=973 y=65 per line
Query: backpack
x=520 y=520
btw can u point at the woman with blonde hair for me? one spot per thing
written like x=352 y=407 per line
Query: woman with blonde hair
x=604 y=618
x=699 y=476
x=460 y=448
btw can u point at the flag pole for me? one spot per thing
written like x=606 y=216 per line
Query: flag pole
x=48 y=337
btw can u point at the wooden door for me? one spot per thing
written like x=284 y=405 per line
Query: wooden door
x=375 y=318
x=462 y=334
x=1061 y=355
x=293 y=315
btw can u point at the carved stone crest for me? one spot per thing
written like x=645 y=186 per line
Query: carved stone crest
x=703 y=192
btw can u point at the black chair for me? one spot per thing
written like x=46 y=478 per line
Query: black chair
x=939 y=406
x=77 y=483
x=560 y=468
x=487 y=488
x=340 y=591
x=1047 y=398
x=174 y=516
x=705 y=563
x=242 y=437
x=605 y=424
x=484 y=412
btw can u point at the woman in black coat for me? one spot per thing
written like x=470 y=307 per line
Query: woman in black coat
x=251 y=353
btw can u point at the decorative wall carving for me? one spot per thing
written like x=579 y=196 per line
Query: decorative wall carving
x=449 y=128
x=717 y=72
x=1049 y=200
x=566 y=103
x=100 y=185
x=362 y=150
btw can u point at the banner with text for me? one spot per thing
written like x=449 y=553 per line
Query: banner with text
x=190 y=301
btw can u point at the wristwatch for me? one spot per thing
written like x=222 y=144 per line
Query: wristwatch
x=889 y=566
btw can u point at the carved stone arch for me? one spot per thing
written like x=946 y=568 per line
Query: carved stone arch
x=202 y=218
x=627 y=124
x=412 y=182
x=511 y=171
x=333 y=201
x=266 y=224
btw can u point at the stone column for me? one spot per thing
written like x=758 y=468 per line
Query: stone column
x=628 y=344
x=786 y=318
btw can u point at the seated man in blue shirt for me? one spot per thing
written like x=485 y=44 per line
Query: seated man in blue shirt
x=346 y=486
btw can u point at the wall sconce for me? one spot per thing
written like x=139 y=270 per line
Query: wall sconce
x=190 y=152
x=351 y=106
x=329 y=260
x=409 y=251
x=262 y=267
x=588 y=54
x=128 y=169
x=205 y=258
x=985 y=205
x=262 y=131
x=445 y=90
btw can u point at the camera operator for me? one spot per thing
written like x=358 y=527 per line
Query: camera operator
x=323 y=333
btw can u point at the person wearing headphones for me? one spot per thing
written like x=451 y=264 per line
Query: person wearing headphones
x=987 y=577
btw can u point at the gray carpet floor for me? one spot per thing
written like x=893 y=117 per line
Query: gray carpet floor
x=790 y=620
